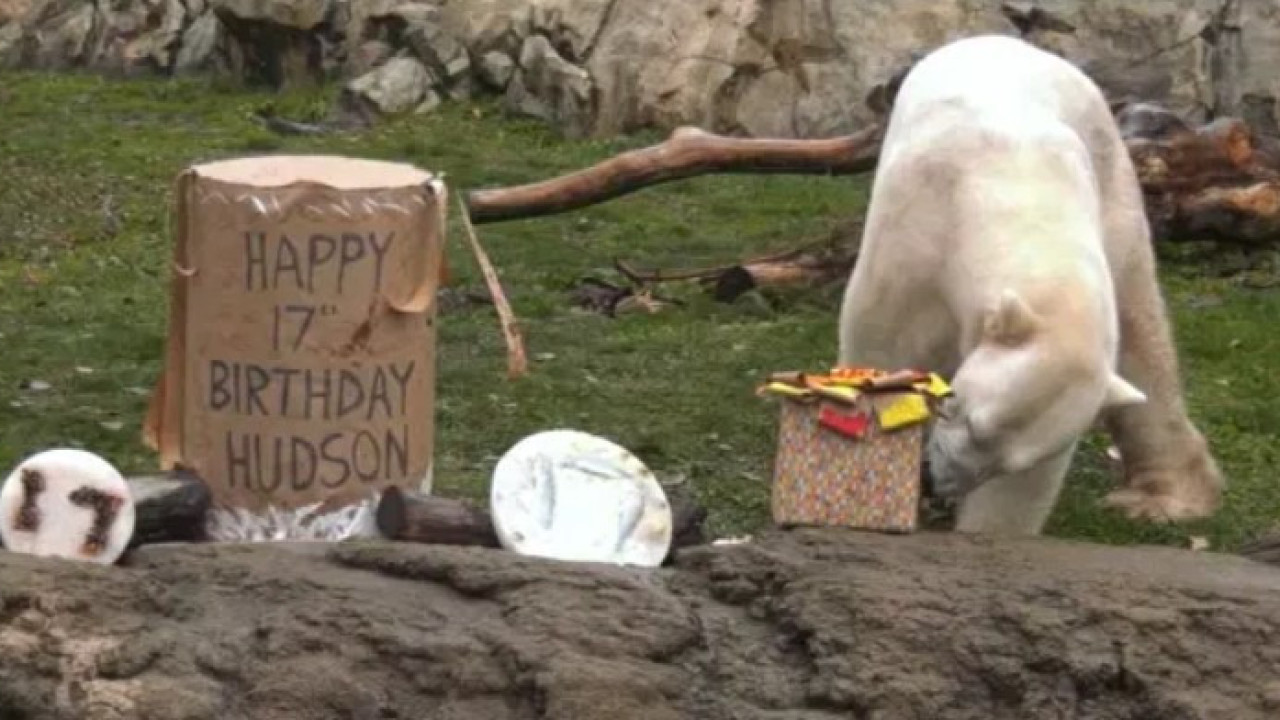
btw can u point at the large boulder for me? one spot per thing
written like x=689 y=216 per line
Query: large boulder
x=138 y=35
x=278 y=43
x=803 y=625
x=197 y=52
x=401 y=85
x=46 y=34
x=550 y=87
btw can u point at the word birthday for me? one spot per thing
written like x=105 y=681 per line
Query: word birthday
x=273 y=262
x=380 y=391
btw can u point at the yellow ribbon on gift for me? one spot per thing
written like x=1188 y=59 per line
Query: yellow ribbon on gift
x=906 y=409
x=785 y=389
x=935 y=386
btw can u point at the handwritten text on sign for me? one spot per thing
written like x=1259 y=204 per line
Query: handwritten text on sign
x=355 y=419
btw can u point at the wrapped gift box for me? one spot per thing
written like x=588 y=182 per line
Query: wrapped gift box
x=850 y=447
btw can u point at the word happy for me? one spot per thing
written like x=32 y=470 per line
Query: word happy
x=304 y=263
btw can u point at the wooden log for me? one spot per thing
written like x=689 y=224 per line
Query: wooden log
x=168 y=509
x=687 y=153
x=1217 y=182
x=433 y=520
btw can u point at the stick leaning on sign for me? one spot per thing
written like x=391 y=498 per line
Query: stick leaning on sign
x=517 y=361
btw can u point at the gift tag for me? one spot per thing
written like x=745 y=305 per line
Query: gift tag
x=67 y=503
x=567 y=495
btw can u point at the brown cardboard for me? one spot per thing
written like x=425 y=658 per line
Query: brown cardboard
x=300 y=365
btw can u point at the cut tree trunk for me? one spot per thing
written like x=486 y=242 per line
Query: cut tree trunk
x=168 y=509
x=434 y=520
x=1217 y=182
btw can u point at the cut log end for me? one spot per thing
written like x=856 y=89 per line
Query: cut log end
x=391 y=514
x=169 y=509
x=433 y=520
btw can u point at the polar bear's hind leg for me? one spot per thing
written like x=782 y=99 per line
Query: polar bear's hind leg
x=1169 y=471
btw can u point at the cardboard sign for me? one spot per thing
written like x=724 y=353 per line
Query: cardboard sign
x=301 y=352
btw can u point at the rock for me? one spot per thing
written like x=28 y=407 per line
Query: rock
x=430 y=101
x=14 y=10
x=1249 y=50
x=549 y=87
x=295 y=14
x=65 y=32
x=369 y=55
x=1156 y=50
x=803 y=68
x=806 y=624
x=573 y=26
x=138 y=35
x=496 y=69
x=402 y=84
x=275 y=42
x=199 y=43
x=443 y=54
x=489 y=25
x=11 y=35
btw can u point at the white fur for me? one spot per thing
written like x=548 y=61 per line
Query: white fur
x=1003 y=210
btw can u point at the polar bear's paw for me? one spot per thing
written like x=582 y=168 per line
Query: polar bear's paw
x=1179 y=486
x=1158 y=506
x=1166 y=496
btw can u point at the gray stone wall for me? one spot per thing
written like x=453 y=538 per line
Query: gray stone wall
x=790 y=68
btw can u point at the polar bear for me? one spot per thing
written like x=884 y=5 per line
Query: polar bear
x=1006 y=247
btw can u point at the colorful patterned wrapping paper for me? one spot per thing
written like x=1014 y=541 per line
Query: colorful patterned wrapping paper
x=825 y=478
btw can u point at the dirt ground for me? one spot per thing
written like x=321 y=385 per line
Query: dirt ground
x=803 y=625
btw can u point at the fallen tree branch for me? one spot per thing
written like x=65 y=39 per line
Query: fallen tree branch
x=687 y=153
x=1217 y=182
x=812 y=264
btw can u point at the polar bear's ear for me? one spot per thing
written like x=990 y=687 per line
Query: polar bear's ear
x=1121 y=393
x=1011 y=321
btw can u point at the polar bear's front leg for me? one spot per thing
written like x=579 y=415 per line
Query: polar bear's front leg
x=1169 y=471
x=1015 y=504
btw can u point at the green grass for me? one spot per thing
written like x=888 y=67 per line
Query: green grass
x=83 y=304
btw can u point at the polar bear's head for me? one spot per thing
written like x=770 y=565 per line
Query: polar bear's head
x=1027 y=392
